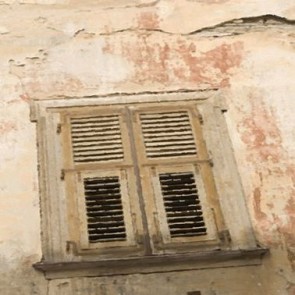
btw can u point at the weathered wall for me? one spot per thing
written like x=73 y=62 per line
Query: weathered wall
x=88 y=47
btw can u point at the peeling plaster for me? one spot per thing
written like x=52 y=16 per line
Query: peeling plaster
x=71 y=53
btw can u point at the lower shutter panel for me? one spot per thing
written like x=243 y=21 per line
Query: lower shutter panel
x=182 y=205
x=104 y=209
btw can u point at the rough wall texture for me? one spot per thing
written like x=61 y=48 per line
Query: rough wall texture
x=82 y=48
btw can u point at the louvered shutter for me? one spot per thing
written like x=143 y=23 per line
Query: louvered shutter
x=96 y=139
x=104 y=209
x=183 y=211
x=104 y=203
x=143 y=173
x=101 y=170
x=182 y=204
x=172 y=148
x=168 y=134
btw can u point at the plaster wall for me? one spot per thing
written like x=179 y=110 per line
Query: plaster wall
x=52 y=49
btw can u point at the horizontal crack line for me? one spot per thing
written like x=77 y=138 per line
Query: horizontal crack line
x=264 y=20
x=121 y=94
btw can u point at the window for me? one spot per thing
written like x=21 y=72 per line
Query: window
x=136 y=185
x=140 y=180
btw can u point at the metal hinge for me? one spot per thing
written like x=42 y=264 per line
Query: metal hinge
x=211 y=163
x=62 y=174
x=58 y=128
x=224 y=237
x=201 y=119
x=71 y=247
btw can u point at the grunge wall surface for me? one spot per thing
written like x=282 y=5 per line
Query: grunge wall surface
x=62 y=49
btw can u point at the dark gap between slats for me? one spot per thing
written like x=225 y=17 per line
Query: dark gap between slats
x=182 y=204
x=104 y=209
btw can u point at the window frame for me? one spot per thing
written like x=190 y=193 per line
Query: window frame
x=153 y=232
x=55 y=245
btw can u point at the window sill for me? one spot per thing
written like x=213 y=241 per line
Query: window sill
x=152 y=264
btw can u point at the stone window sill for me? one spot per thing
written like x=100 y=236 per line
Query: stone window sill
x=152 y=264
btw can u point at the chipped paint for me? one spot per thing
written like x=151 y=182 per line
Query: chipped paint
x=260 y=133
x=86 y=48
x=148 y=20
x=178 y=61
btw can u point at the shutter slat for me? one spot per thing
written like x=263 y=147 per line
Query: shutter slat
x=167 y=115
x=97 y=126
x=104 y=209
x=93 y=133
x=97 y=159
x=168 y=134
x=98 y=151
x=105 y=118
x=77 y=137
x=159 y=144
x=94 y=147
x=180 y=123
x=96 y=139
x=93 y=142
x=182 y=205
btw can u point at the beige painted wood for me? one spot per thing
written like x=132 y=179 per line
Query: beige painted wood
x=206 y=210
x=60 y=225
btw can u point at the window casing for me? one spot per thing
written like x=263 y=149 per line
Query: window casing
x=139 y=178
x=165 y=193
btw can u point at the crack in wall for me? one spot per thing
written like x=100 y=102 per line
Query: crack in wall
x=126 y=94
x=141 y=5
x=228 y=28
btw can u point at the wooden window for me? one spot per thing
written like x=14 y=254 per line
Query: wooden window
x=178 y=185
x=138 y=179
x=131 y=187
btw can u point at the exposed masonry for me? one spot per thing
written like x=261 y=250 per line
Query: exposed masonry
x=229 y=28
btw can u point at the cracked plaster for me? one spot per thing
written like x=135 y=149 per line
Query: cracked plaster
x=65 y=51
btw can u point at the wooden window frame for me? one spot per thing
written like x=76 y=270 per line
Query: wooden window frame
x=60 y=246
x=202 y=164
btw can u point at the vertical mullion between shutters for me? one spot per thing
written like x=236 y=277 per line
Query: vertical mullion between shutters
x=70 y=179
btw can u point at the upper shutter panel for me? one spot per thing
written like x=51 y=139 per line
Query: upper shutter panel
x=168 y=134
x=96 y=139
x=182 y=204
